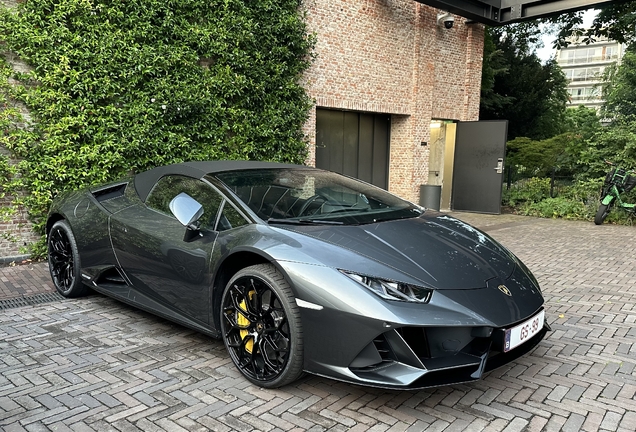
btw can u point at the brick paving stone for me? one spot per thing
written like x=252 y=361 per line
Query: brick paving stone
x=24 y=280
x=555 y=423
x=496 y=425
x=575 y=392
x=15 y=427
x=516 y=425
x=611 y=421
x=558 y=393
x=629 y=421
x=574 y=423
x=296 y=420
x=94 y=364
x=536 y=424
x=399 y=427
x=419 y=426
x=213 y=424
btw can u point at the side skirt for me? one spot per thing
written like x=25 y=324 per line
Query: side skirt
x=158 y=310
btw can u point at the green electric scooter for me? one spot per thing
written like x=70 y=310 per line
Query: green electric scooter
x=617 y=181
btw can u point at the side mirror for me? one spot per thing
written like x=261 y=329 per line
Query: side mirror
x=188 y=211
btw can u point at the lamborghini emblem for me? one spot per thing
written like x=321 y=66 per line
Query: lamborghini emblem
x=504 y=289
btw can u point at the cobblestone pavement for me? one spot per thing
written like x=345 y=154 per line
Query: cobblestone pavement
x=24 y=280
x=97 y=364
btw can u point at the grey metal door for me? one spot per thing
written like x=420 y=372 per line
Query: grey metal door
x=354 y=144
x=478 y=169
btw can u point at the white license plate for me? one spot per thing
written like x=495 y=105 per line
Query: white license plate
x=521 y=333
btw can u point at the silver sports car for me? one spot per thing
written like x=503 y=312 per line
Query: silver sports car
x=301 y=270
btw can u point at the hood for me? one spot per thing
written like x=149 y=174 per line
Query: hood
x=440 y=251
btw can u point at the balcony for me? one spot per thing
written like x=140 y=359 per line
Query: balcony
x=594 y=59
x=585 y=97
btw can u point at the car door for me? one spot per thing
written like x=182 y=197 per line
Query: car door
x=160 y=261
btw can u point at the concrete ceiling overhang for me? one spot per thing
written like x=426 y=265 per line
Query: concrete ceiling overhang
x=500 y=12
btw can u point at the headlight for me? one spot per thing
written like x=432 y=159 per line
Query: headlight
x=393 y=290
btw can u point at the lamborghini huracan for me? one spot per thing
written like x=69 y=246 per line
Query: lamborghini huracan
x=301 y=270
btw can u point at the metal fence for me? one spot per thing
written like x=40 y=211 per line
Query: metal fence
x=517 y=177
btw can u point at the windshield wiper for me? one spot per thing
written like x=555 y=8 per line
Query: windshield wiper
x=303 y=221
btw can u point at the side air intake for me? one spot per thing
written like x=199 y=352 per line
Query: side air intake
x=109 y=192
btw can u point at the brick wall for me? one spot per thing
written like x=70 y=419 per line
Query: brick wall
x=16 y=232
x=390 y=56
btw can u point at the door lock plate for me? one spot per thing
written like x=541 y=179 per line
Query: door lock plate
x=500 y=167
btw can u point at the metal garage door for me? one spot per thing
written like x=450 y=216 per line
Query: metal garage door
x=354 y=144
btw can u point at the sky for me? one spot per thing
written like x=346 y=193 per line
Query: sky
x=547 y=51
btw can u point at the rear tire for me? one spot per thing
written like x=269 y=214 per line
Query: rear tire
x=64 y=261
x=601 y=214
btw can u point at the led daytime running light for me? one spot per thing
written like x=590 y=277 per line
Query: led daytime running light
x=393 y=290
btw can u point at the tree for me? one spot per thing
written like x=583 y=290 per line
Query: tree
x=619 y=90
x=494 y=65
x=617 y=141
x=539 y=158
x=616 y=21
x=582 y=120
x=518 y=88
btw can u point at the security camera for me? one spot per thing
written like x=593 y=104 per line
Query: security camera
x=446 y=19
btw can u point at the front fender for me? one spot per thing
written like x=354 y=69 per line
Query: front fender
x=609 y=199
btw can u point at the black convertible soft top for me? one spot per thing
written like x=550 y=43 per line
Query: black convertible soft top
x=145 y=181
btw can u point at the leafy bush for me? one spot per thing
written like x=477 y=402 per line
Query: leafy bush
x=530 y=190
x=616 y=142
x=585 y=190
x=540 y=158
x=121 y=87
x=579 y=201
x=559 y=207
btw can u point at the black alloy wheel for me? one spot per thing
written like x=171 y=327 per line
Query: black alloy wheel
x=261 y=327
x=64 y=263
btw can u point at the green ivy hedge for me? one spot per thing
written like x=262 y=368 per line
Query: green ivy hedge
x=121 y=87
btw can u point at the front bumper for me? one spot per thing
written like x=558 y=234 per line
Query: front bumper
x=419 y=357
x=353 y=335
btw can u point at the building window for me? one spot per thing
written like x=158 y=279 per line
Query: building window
x=611 y=53
x=588 y=55
x=584 y=74
x=583 y=93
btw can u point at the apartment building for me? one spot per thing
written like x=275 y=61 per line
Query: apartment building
x=584 y=65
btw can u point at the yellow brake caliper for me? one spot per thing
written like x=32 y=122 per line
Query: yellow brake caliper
x=244 y=322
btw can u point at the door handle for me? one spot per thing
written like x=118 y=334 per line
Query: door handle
x=499 y=168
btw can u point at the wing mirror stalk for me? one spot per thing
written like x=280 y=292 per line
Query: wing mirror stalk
x=188 y=211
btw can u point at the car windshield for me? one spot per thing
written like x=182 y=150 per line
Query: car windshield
x=314 y=196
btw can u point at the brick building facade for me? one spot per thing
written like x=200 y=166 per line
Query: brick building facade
x=391 y=56
x=15 y=229
x=378 y=56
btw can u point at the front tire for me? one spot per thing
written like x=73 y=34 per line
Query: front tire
x=601 y=214
x=261 y=327
x=64 y=261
